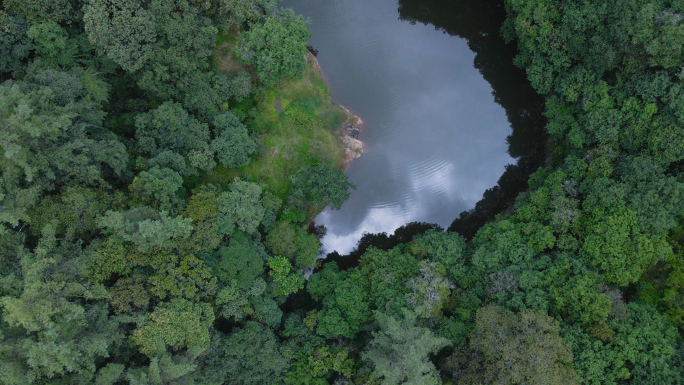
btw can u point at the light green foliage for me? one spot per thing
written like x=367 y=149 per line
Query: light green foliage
x=294 y=243
x=285 y=281
x=657 y=198
x=321 y=364
x=429 y=290
x=163 y=369
x=399 y=351
x=253 y=356
x=185 y=41
x=173 y=161
x=240 y=302
x=202 y=208
x=240 y=85
x=53 y=334
x=145 y=227
x=51 y=138
x=521 y=348
x=177 y=325
x=320 y=186
x=186 y=277
x=240 y=208
x=112 y=256
x=275 y=48
x=574 y=292
x=641 y=34
x=232 y=143
x=203 y=204
x=385 y=276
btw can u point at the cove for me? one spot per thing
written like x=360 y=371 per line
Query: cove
x=440 y=112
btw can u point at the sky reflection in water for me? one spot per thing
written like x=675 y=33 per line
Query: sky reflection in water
x=434 y=136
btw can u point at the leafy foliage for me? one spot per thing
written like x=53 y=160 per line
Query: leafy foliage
x=276 y=47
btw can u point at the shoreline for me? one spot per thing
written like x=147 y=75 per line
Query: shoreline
x=349 y=130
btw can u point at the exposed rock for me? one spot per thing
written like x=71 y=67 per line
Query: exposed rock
x=349 y=132
x=350 y=128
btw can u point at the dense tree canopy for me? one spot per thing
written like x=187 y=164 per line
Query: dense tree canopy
x=150 y=235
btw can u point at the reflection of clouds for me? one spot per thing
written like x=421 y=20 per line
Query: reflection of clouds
x=434 y=175
x=434 y=136
x=378 y=219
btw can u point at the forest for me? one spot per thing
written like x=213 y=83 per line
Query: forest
x=163 y=160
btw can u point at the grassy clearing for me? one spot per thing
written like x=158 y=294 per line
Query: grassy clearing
x=296 y=124
x=224 y=59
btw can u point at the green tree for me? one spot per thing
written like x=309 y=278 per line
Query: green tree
x=276 y=47
x=50 y=332
x=429 y=290
x=163 y=184
x=241 y=11
x=175 y=325
x=320 y=186
x=294 y=243
x=52 y=137
x=642 y=350
x=41 y=10
x=167 y=43
x=521 y=348
x=14 y=43
x=399 y=351
x=252 y=355
x=146 y=228
x=285 y=281
x=240 y=261
x=614 y=244
x=122 y=29
x=240 y=208
x=186 y=277
x=52 y=45
x=170 y=127
x=232 y=143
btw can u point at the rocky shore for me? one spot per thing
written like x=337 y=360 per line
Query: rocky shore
x=349 y=130
x=349 y=133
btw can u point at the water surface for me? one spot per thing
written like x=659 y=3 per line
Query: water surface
x=434 y=133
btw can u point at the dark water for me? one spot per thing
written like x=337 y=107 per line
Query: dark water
x=435 y=86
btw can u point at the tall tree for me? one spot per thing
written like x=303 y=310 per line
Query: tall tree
x=399 y=351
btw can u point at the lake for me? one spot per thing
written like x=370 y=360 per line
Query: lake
x=435 y=123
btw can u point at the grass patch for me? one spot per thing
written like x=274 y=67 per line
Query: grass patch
x=303 y=131
x=224 y=59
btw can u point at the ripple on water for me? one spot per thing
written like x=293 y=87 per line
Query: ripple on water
x=434 y=175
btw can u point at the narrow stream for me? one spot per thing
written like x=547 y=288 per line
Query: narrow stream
x=435 y=130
